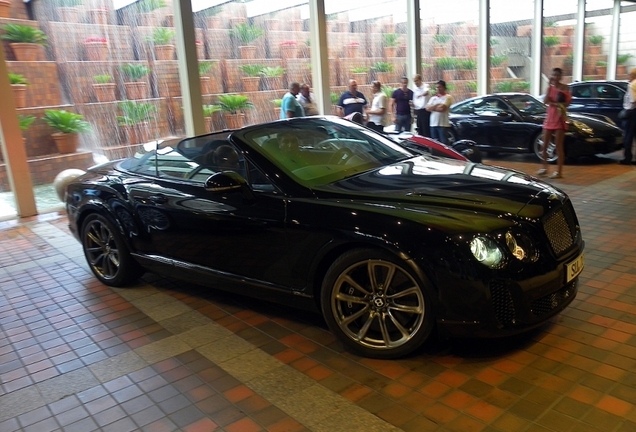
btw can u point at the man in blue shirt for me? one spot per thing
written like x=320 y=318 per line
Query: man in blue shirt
x=351 y=101
x=290 y=107
x=401 y=105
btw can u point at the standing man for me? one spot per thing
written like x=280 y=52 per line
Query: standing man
x=351 y=101
x=378 y=108
x=401 y=103
x=290 y=107
x=438 y=106
x=629 y=124
x=307 y=100
x=421 y=95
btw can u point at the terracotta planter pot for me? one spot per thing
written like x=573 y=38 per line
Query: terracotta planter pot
x=213 y=22
x=296 y=25
x=200 y=51
x=68 y=14
x=66 y=142
x=136 y=90
x=234 y=121
x=272 y=83
x=136 y=134
x=207 y=121
x=19 y=95
x=5 y=9
x=350 y=51
x=565 y=49
x=205 y=85
x=497 y=72
x=105 y=92
x=98 y=16
x=248 y=52
x=594 y=49
x=390 y=51
x=272 y=24
x=439 y=51
x=96 y=51
x=549 y=50
x=147 y=19
x=621 y=70
x=288 y=51
x=250 y=84
x=601 y=70
x=164 y=52
x=361 y=78
x=25 y=51
x=448 y=75
x=472 y=52
x=383 y=77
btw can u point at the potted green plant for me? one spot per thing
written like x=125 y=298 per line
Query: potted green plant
x=19 y=86
x=134 y=120
x=447 y=65
x=550 y=42
x=595 y=44
x=69 y=125
x=25 y=41
x=161 y=38
x=621 y=63
x=246 y=34
x=252 y=77
x=390 y=42
x=67 y=10
x=272 y=77
x=145 y=9
x=497 y=66
x=204 y=68
x=96 y=48
x=212 y=18
x=208 y=112
x=521 y=86
x=288 y=49
x=504 y=87
x=104 y=88
x=5 y=8
x=278 y=103
x=471 y=86
x=25 y=121
x=233 y=107
x=601 y=67
x=549 y=28
x=359 y=73
x=382 y=70
x=439 y=48
x=133 y=73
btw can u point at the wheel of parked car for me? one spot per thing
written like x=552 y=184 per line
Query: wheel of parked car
x=376 y=305
x=537 y=146
x=106 y=252
x=451 y=135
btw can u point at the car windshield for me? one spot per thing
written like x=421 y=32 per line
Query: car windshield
x=527 y=104
x=318 y=151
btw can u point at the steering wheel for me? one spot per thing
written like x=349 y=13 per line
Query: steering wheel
x=340 y=157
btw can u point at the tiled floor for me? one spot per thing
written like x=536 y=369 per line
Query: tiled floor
x=76 y=355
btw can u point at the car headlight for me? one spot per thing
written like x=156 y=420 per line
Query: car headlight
x=486 y=251
x=582 y=127
x=521 y=247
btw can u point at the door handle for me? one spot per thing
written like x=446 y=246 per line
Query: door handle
x=157 y=199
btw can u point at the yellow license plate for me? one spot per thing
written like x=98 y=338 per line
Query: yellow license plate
x=574 y=268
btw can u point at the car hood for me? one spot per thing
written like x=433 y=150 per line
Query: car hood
x=444 y=186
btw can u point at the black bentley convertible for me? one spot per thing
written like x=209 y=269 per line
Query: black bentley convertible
x=327 y=215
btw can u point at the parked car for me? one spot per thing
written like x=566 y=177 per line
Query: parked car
x=512 y=122
x=598 y=97
x=324 y=214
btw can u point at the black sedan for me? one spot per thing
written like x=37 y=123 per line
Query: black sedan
x=327 y=215
x=603 y=97
x=512 y=122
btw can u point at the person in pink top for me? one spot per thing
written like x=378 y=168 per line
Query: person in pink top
x=557 y=98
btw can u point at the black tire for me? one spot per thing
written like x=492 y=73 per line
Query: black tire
x=107 y=253
x=469 y=150
x=376 y=305
x=452 y=136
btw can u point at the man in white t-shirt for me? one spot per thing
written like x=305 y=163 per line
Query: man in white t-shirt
x=377 y=112
x=307 y=99
x=421 y=95
x=439 y=106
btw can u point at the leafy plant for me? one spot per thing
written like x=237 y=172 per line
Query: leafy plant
x=470 y=64
x=493 y=42
x=471 y=86
x=66 y=121
x=233 y=103
x=135 y=112
x=15 y=78
x=102 y=79
x=522 y=86
x=23 y=34
x=504 y=87
x=550 y=24
x=161 y=36
x=277 y=102
x=447 y=63
x=134 y=71
x=359 y=69
x=208 y=110
x=335 y=97
x=146 y=6
x=595 y=39
x=497 y=60
x=621 y=59
x=246 y=33
x=25 y=121
x=382 y=66
x=388 y=91
x=601 y=63
x=252 y=70
x=450 y=87
x=551 y=41
x=273 y=71
x=390 y=39
x=204 y=67
x=426 y=65
x=441 y=38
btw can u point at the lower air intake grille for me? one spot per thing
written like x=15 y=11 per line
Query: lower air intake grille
x=552 y=301
x=502 y=303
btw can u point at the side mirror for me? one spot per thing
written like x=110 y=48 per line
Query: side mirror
x=228 y=181
x=504 y=114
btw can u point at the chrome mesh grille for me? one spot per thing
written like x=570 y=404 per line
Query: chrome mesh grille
x=559 y=228
x=502 y=303
x=552 y=301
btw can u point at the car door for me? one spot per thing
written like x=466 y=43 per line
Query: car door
x=583 y=98
x=498 y=126
x=609 y=99
x=232 y=232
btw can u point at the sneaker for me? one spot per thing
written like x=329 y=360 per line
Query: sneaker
x=555 y=175
x=542 y=172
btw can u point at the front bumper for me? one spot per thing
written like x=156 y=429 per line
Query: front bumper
x=579 y=146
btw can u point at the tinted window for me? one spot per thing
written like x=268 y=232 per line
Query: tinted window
x=582 y=91
x=606 y=91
